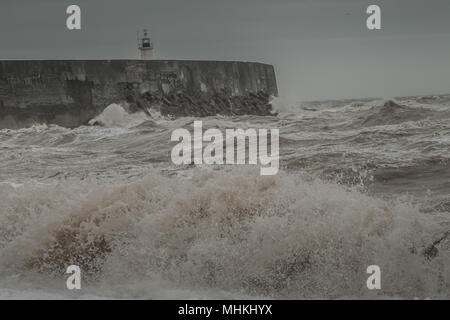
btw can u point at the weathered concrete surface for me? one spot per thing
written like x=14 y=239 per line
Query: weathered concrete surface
x=70 y=93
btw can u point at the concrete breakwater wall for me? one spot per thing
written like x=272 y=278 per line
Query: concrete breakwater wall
x=70 y=93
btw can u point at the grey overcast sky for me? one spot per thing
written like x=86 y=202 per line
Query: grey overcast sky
x=320 y=48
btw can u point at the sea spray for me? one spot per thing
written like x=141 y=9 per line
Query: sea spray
x=235 y=231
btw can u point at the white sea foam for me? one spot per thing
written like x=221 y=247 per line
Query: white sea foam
x=224 y=232
x=115 y=115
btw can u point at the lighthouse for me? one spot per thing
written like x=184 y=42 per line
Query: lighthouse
x=145 y=46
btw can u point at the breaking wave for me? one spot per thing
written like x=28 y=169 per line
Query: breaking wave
x=115 y=115
x=287 y=236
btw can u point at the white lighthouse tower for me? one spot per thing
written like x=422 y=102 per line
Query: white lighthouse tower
x=145 y=46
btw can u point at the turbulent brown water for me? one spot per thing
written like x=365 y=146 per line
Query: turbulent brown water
x=361 y=183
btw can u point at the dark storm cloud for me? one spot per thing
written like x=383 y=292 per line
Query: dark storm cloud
x=320 y=48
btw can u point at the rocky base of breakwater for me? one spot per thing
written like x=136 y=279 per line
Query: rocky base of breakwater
x=184 y=105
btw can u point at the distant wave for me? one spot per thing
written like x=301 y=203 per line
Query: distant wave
x=391 y=112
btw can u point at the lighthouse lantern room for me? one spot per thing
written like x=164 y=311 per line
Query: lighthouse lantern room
x=145 y=46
